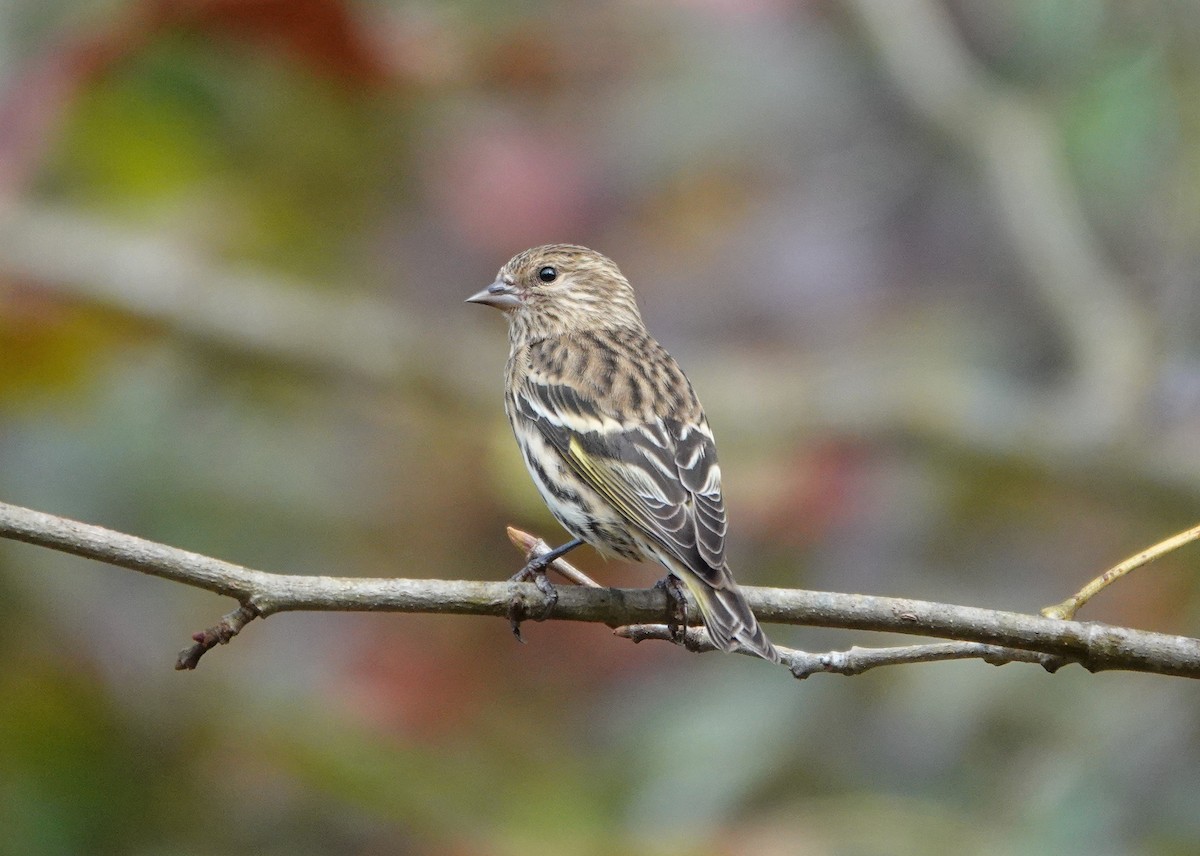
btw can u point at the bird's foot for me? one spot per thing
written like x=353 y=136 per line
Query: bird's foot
x=676 y=607
x=535 y=572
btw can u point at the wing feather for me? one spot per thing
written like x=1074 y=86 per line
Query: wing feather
x=661 y=476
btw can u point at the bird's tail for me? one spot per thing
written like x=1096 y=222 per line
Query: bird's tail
x=728 y=617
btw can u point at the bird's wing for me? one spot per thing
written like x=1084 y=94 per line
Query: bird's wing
x=662 y=476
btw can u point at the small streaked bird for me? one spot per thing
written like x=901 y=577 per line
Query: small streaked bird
x=611 y=431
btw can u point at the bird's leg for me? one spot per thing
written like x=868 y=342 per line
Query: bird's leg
x=676 y=607
x=535 y=572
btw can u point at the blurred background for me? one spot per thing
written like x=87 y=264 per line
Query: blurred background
x=931 y=267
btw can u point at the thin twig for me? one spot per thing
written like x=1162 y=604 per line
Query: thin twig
x=532 y=546
x=1095 y=646
x=219 y=634
x=1072 y=605
x=856 y=660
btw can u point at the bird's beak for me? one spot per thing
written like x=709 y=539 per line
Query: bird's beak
x=499 y=294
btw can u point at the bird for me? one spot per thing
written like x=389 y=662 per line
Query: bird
x=612 y=432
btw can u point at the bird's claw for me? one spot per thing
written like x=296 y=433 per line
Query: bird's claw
x=676 y=607
x=518 y=610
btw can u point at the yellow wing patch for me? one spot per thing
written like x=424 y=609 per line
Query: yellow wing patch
x=601 y=478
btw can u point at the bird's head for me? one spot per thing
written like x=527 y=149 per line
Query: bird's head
x=558 y=289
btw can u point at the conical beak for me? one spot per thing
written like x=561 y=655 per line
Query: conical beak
x=499 y=294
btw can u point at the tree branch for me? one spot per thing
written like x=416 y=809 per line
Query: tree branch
x=1075 y=602
x=1016 y=145
x=857 y=660
x=1093 y=645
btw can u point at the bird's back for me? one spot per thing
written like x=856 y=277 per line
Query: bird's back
x=621 y=373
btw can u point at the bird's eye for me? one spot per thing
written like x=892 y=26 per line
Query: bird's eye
x=547 y=274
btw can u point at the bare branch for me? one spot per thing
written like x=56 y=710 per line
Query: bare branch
x=857 y=660
x=219 y=634
x=533 y=546
x=1094 y=646
x=1075 y=602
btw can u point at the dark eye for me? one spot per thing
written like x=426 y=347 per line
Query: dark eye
x=547 y=274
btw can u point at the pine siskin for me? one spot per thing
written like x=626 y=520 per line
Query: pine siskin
x=611 y=430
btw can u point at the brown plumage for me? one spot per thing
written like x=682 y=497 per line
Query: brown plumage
x=611 y=430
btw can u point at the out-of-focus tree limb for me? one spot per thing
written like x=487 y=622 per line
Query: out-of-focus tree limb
x=1017 y=149
x=260 y=594
x=876 y=390
x=161 y=281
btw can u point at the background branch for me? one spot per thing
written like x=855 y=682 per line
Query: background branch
x=869 y=391
x=1094 y=646
x=1016 y=147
